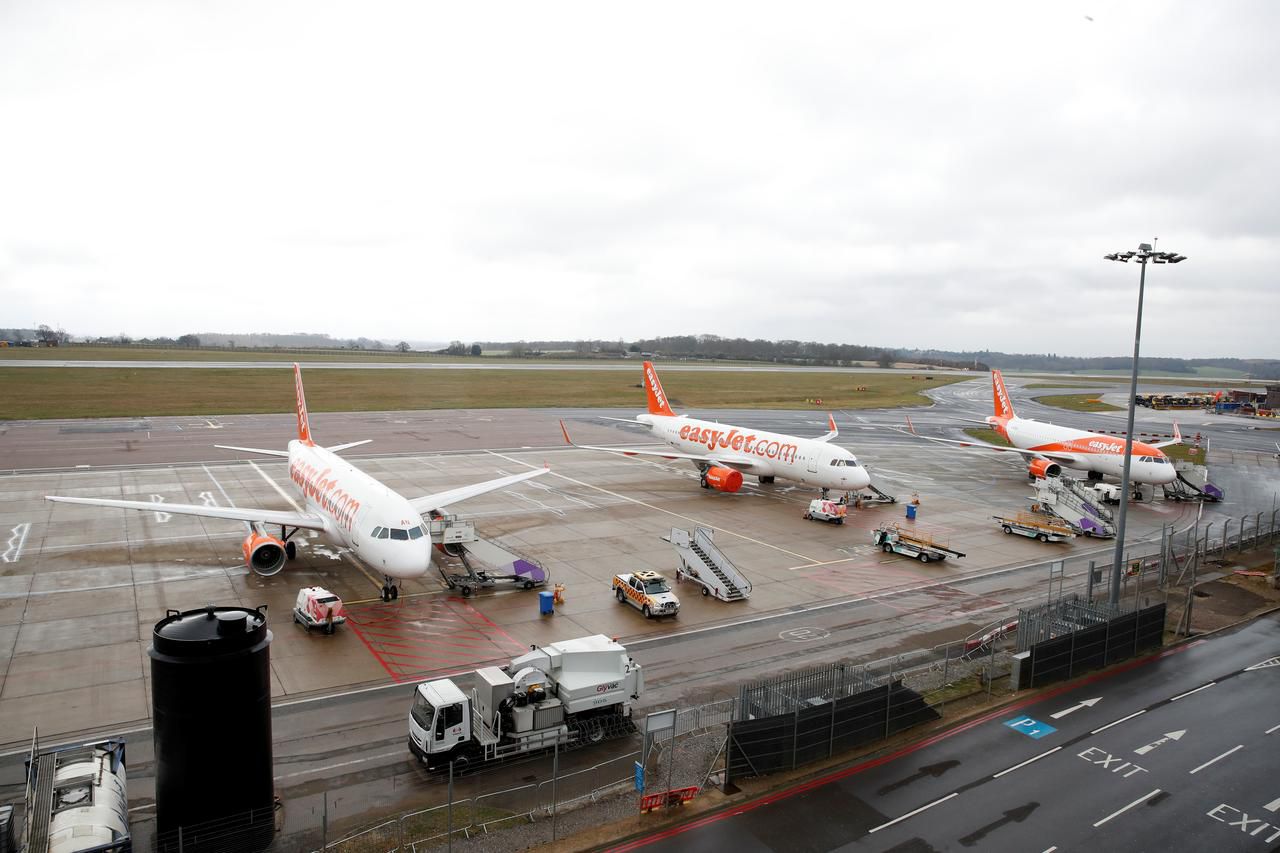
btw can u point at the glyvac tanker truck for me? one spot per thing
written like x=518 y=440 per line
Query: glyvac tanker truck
x=567 y=693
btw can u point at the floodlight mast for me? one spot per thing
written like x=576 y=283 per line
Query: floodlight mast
x=1143 y=254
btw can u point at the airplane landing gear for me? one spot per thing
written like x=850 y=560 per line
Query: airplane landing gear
x=763 y=478
x=826 y=494
x=390 y=592
x=290 y=550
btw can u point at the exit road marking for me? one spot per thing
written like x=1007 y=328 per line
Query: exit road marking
x=1168 y=736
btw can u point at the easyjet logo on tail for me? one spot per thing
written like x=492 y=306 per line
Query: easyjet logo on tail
x=1004 y=409
x=657 y=399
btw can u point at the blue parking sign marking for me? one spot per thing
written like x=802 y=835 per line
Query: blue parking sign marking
x=1029 y=727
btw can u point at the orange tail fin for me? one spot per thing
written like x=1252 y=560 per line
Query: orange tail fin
x=657 y=399
x=1004 y=408
x=304 y=425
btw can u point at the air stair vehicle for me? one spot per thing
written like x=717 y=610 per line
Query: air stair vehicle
x=706 y=565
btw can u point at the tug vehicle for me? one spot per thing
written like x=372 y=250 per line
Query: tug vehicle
x=316 y=607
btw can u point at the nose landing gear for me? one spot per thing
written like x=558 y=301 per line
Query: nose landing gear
x=390 y=592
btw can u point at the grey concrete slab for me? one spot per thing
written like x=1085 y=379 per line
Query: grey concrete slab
x=52 y=672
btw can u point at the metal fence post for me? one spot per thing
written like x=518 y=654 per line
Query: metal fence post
x=831 y=732
x=728 y=751
x=555 y=773
x=946 y=673
x=991 y=667
x=450 y=809
x=795 y=735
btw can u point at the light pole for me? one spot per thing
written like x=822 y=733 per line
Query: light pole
x=1143 y=254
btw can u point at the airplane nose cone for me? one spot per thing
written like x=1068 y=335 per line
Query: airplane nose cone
x=411 y=560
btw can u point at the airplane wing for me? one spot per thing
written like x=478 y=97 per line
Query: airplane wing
x=739 y=462
x=1060 y=458
x=426 y=503
x=306 y=520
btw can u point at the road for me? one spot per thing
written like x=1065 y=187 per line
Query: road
x=1177 y=752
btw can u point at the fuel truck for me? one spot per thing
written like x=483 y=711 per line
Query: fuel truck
x=570 y=693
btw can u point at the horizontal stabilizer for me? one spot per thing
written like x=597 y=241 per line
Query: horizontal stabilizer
x=338 y=448
x=284 y=454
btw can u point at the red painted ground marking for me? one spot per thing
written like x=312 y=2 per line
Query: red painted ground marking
x=411 y=637
x=767 y=799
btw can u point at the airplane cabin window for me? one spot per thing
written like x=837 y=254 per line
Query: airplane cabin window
x=402 y=535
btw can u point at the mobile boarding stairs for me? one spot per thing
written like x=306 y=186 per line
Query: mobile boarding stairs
x=704 y=564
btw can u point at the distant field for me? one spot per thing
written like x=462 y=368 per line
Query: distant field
x=1183 y=453
x=1077 y=403
x=92 y=353
x=123 y=392
x=990 y=436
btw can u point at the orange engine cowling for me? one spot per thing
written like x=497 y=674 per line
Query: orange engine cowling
x=723 y=479
x=1043 y=468
x=264 y=554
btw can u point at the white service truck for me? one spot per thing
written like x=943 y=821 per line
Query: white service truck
x=570 y=692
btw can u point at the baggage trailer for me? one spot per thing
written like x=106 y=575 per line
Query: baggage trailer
x=894 y=540
x=570 y=693
x=1033 y=526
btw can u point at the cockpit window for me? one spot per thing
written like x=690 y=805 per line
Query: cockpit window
x=847 y=463
x=384 y=533
x=400 y=534
x=416 y=532
x=377 y=531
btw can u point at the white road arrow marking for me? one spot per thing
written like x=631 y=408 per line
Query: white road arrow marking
x=1168 y=736
x=1088 y=703
x=1275 y=661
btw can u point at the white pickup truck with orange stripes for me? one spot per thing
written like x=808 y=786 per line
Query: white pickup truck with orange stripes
x=648 y=592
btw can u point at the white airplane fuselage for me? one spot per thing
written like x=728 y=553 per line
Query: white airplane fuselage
x=804 y=460
x=1089 y=451
x=354 y=506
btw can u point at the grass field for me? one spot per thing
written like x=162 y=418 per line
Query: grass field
x=1077 y=403
x=33 y=393
x=1182 y=453
x=990 y=436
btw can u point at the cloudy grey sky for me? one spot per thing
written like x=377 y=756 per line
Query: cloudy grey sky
x=909 y=175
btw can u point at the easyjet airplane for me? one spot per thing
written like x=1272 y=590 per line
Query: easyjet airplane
x=724 y=453
x=1050 y=448
x=382 y=529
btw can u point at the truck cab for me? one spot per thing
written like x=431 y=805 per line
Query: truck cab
x=439 y=721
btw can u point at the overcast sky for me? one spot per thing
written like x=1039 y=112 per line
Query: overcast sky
x=906 y=175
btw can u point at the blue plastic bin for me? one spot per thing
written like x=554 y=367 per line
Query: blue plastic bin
x=911 y=512
x=546 y=603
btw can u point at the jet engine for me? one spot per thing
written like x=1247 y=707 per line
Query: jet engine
x=1043 y=468
x=722 y=479
x=264 y=554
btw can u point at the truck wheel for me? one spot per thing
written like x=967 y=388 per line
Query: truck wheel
x=840 y=520
x=887 y=548
x=528 y=584
x=705 y=591
x=647 y=613
x=1042 y=537
x=594 y=732
x=329 y=628
x=296 y=620
x=466 y=591
x=807 y=517
x=1007 y=529
x=924 y=558
x=621 y=598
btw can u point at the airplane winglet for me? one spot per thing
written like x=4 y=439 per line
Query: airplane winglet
x=567 y=440
x=1177 y=433
x=910 y=426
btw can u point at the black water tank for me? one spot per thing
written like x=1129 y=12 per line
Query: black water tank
x=211 y=711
